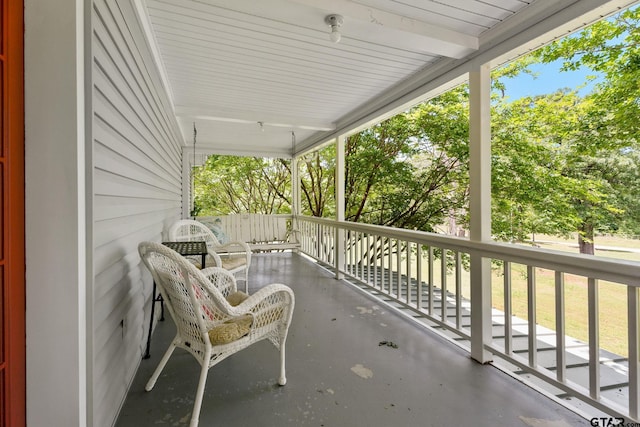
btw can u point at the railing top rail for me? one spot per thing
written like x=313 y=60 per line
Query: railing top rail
x=614 y=270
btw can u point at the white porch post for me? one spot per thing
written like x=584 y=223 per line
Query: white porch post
x=480 y=207
x=339 y=244
x=187 y=154
x=295 y=187
x=295 y=193
x=58 y=196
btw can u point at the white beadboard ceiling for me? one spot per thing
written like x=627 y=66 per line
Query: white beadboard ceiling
x=261 y=77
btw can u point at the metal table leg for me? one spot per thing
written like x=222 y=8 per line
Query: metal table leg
x=155 y=298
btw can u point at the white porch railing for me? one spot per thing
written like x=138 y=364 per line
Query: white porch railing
x=429 y=274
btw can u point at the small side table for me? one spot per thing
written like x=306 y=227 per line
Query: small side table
x=184 y=249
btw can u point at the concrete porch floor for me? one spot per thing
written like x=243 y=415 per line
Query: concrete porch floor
x=338 y=373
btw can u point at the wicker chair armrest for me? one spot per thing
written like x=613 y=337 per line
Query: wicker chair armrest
x=215 y=256
x=226 y=287
x=233 y=246
x=236 y=247
x=257 y=301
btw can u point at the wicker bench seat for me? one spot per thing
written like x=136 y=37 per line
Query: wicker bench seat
x=260 y=231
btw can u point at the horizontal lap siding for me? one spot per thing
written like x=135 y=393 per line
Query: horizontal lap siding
x=136 y=188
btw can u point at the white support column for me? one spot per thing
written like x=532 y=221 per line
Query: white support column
x=480 y=207
x=58 y=197
x=339 y=244
x=633 y=331
x=295 y=187
x=187 y=154
x=295 y=195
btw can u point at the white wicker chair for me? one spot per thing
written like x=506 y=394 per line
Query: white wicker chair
x=233 y=256
x=197 y=300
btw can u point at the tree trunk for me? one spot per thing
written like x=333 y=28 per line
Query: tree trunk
x=585 y=238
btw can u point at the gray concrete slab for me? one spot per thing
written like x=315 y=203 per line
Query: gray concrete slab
x=338 y=374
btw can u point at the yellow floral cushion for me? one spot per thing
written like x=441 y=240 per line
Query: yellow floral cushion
x=231 y=330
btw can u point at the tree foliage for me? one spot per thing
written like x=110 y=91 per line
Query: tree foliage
x=230 y=184
x=587 y=143
x=554 y=169
x=317 y=182
x=409 y=171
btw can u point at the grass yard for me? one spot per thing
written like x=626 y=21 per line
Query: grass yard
x=612 y=297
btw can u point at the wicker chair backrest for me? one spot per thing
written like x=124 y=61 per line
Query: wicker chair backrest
x=188 y=230
x=193 y=302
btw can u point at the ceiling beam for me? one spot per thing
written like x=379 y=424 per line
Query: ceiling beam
x=253 y=118
x=208 y=149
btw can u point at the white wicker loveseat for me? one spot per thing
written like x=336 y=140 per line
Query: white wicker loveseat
x=214 y=320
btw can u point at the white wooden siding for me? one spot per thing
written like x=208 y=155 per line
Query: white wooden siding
x=137 y=194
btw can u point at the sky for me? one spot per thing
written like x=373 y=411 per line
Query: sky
x=548 y=80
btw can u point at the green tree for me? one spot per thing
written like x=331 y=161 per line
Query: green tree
x=590 y=146
x=611 y=49
x=230 y=184
x=317 y=182
x=409 y=171
x=558 y=168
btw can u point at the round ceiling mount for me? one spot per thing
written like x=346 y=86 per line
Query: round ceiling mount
x=335 y=22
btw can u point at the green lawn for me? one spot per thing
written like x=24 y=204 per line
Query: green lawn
x=612 y=297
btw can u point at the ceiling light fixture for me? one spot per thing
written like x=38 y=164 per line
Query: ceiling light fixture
x=335 y=22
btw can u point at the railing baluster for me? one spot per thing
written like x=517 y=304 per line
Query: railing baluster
x=366 y=260
x=390 y=269
x=458 y=261
x=323 y=231
x=353 y=268
x=418 y=276
x=383 y=257
x=508 y=320
x=346 y=247
x=376 y=259
x=319 y=249
x=633 y=308
x=313 y=243
x=443 y=284
x=361 y=255
x=329 y=251
x=594 y=341
x=531 y=313
x=408 y=284
x=430 y=280
x=325 y=257
x=399 y=268
x=561 y=369
x=338 y=250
